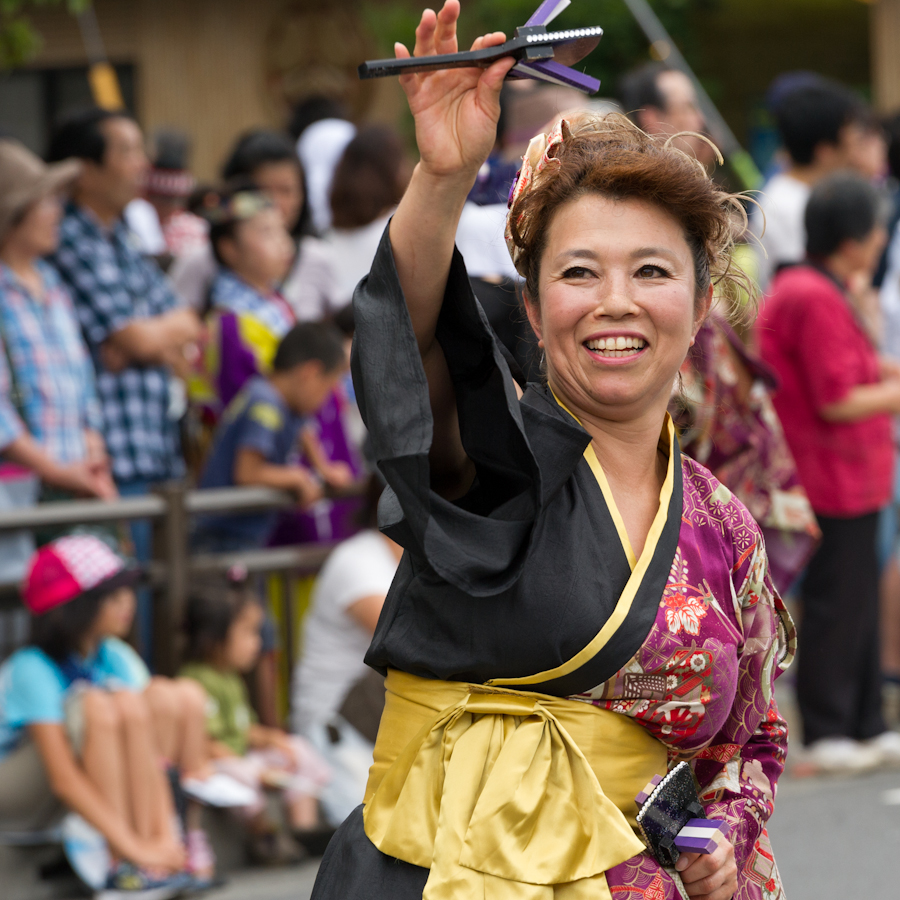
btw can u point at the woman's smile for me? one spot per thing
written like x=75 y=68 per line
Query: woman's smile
x=615 y=348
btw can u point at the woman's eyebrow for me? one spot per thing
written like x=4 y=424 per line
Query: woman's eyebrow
x=576 y=254
x=641 y=252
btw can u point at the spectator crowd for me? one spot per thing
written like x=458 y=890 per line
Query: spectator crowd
x=154 y=328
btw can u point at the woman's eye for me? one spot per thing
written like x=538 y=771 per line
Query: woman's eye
x=651 y=272
x=577 y=272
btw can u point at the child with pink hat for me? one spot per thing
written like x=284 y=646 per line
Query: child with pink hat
x=84 y=727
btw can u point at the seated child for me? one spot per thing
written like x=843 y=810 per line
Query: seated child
x=73 y=734
x=224 y=642
x=260 y=431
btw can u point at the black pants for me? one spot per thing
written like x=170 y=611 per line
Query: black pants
x=838 y=666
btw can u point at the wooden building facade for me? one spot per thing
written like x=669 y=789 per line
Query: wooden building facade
x=211 y=68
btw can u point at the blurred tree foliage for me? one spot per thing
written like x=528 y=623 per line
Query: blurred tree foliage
x=623 y=44
x=19 y=42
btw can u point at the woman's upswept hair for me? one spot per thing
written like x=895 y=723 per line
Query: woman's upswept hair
x=611 y=156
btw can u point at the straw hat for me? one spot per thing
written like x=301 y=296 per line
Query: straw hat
x=26 y=178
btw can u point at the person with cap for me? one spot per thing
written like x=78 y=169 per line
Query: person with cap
x=72 y=733
x=50 y=418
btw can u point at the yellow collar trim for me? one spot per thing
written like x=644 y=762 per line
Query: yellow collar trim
x=591 y=456
x=639 y=568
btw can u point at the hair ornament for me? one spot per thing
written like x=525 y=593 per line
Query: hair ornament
x=542 y=151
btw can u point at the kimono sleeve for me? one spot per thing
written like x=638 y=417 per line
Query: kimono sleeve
x=478 y=544
x=739 y=771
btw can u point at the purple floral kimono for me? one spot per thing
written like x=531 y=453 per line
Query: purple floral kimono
x=702 y=684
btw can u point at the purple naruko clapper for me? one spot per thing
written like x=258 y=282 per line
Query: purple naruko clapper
x=554 y=72
x=644 y=795
x=547 y=12
x=548 y=70
x=701 y=835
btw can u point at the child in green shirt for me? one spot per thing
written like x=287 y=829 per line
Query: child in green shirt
x=224 y=642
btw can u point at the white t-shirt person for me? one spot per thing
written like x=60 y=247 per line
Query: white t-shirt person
x=783 y=200
x=338 y=628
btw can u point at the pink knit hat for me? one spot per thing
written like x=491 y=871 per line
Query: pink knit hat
x=70 y=566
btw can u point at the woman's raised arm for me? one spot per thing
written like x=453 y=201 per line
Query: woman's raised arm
x=456 y=112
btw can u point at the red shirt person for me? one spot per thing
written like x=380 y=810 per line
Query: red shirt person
x=814 y=340
x=835 y=401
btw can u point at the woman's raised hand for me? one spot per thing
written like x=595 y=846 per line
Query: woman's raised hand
x=456 y=110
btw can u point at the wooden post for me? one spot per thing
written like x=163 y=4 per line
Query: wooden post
x=170 y=547
x=884 y=23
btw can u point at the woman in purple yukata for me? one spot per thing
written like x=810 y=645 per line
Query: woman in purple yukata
x=579 y=607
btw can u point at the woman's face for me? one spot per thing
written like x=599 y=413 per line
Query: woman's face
x=37 y=234
x=116 y=614
x=281 y=181
x=244 y=642
x=617 y=310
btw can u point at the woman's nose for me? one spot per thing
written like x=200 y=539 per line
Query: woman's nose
x=616 y=298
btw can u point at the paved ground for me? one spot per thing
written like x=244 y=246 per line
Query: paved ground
x=838 y=839
x=277 y=884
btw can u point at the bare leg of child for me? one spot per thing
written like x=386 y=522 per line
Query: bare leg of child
x=178 y=711
x=194 y=755
x=303 y=812
x=153 y=812
x=102 y=754
x=164 y=714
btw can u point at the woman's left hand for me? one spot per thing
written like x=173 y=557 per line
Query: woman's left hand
x=709 y=876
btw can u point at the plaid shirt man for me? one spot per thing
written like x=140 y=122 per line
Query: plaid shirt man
x=112 y=284
x=46 y=376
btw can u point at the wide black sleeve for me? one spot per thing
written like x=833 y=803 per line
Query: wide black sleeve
x=479 y=543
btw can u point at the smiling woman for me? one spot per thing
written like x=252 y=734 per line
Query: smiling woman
x=578 y=605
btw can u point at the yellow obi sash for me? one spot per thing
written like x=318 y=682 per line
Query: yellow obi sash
x=506 y=794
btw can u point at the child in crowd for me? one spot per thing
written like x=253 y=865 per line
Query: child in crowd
x=73 y=732
x=340 y=431
x=82 y=603
x=248 y=317
x=260 y=431
x=224 y=642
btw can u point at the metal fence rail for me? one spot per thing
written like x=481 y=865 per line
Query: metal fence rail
x=170 y=509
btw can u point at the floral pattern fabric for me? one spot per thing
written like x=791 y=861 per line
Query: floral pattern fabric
x=702 y=683
x=740 y=440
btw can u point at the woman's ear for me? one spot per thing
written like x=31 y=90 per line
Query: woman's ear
x=701 y=311
x=533 y=311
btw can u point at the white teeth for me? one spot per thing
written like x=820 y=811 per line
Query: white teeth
x=617 y=346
